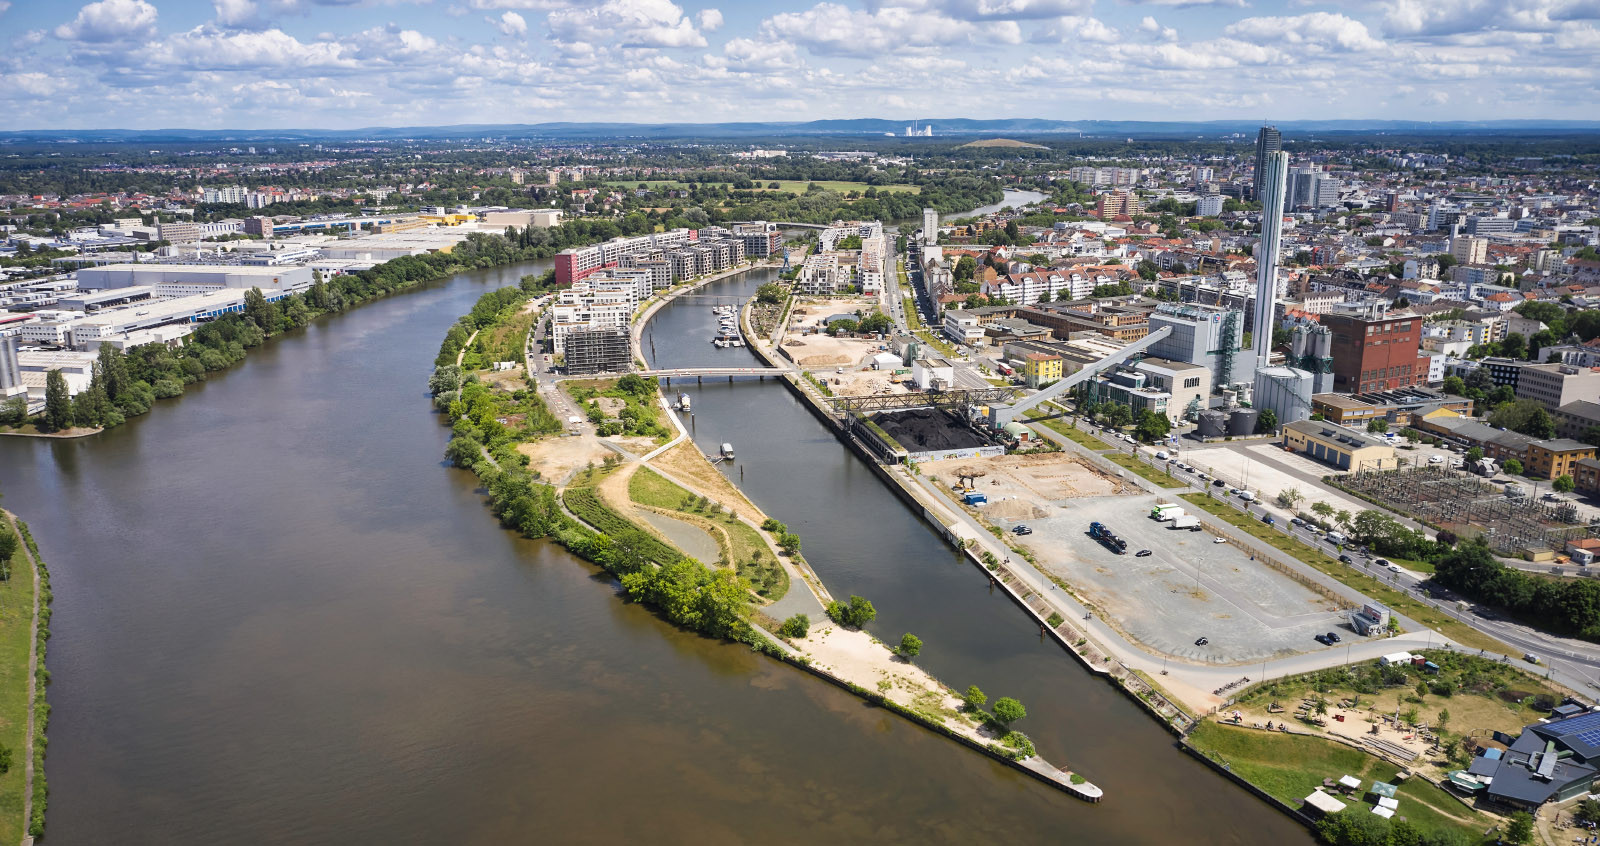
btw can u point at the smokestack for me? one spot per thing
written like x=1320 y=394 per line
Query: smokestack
x=1272 y=186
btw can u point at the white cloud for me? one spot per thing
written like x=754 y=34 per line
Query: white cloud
x=110 y=20
x=1073 y=29
x=32 y=82
x=988 y=10
x=510 y=23
x=1153 y=27
x=5 y=5
x=240 y=14
x=1185 y=3
x=630 y=23
x=1323 y=29
x=710 y=20
x=833 y=29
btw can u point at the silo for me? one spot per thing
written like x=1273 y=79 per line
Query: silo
x=1322 y=350
x=1242 y=421
x=1297 y=345
x=1213 y=424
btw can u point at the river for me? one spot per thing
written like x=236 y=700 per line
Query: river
x=281 y=618
x=1013 y=199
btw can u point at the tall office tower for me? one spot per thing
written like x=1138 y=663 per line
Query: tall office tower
x=1285 y=390
x=1272 y=178
x=1268 y=141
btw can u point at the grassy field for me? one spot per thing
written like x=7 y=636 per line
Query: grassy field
x=1061 y=428
x=1289 y=767
x=1396 y=600
x=16 y=630
x=742 y=544
x=1134 y=465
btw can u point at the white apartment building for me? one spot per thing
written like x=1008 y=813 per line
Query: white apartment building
x=930 y=227
x=870 y=267
x=831 y=236
x=822 y=275
x=1210 y=205
x=583 y=306
x=962 y=328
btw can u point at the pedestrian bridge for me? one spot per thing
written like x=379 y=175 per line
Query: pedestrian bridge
x=680 y=372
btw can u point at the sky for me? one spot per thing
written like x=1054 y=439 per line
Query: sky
x=344 y=64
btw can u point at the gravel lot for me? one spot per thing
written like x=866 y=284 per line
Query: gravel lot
x=1248 y=611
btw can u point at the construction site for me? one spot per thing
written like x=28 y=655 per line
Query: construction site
x=1513 y=524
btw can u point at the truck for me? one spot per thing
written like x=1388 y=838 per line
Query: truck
x=1166 y=511
x=1186 y=521
x=1100 y=532
x=975 y=498
x=1004 y=369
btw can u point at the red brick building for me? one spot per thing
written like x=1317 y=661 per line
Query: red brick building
x=1374 y=350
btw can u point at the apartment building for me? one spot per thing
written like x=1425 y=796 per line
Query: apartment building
x=1554 y=458
x=1114 y=203
x=822 y=275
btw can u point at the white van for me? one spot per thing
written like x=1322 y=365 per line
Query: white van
x=1161 y=455
x=1334 y=537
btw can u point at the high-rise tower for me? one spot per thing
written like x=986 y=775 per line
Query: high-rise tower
x=1268 y=141
x=1273 y=178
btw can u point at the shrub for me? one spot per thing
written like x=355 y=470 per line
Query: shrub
x=1008 y=710
x=855 y=614
x=795 y=627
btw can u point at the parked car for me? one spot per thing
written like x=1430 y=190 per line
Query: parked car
x=1323 y=639
x=1218 y=483
x=1333 y=637
x=1143 y=553
x=1382 y=562
x=1531 y=658
x=1219 y=540
x=1345 y=559
x=1023 y=530
x=1393 y=568
x=1234 y=492
x=1200 y=641
x=1297 y=521
x=1269 y=520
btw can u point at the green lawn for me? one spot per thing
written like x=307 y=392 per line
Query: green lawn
x=936 y=342
x=1060 y=427
x=16 y=630
x=754 y=557
x=1352 y=576
x=1128 y=462
x=1289 y=767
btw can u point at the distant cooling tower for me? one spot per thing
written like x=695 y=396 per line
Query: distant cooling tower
x=1242 y=421
x=1213 y=424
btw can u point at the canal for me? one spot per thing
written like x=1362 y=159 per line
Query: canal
x=862 y=539
x=280 y=618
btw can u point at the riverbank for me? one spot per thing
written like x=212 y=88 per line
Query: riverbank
x=24 y=630
x=131 y=381
x=602 y=517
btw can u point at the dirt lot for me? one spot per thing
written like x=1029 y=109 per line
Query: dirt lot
x=861 y=383
x=810 y=314
x=557 y=458
x=1033 y=480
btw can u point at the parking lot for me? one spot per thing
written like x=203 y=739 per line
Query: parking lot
x=1266 y=469
x=1189 y=587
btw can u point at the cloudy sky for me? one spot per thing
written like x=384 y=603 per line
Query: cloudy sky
x=353 y=63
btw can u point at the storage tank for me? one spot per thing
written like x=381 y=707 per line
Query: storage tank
x=1213 y=424
x=1297 y=344
x=1242 y=421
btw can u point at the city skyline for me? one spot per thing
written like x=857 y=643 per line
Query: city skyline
x=338 y=65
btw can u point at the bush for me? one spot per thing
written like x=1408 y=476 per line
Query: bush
x=797 y=626
x=854 y=614
x=910 y=646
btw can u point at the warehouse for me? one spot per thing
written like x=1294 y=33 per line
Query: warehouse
x=180 y=280
x=1338 y=446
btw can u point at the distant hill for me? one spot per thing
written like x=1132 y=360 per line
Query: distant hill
x=944 y=129
x=1004 y=142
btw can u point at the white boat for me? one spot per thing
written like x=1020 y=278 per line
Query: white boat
x=683 y=402
x=727 y=450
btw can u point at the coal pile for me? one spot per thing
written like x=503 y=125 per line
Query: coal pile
x=927 y=430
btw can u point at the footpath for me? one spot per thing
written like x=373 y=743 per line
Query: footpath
x=33 y=681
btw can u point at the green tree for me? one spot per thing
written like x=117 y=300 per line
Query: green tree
x=1520 y=829
x=1512 y=466
x=1153 y=426
x=1378 y=426
x=856 y=613
x=1563 y=484
x=57 y=402
x=14 y=411
x=1454 y=385
x=771 y=293
x=1524 y=416
x=1588 y=811
x=1267 y=422
x=910 y=646
x=261 y=312
x=795 y=627
x=964 y=269
x=975 y=697
x=1322 y=509
x=1475 y=454
x=1008 y=710
x=1290 y=498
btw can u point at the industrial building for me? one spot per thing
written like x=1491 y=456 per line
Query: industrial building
x=1551 y=761
x=1374 y=350
x=176 y=280
x=1208 y=336
x=1338 y=446
x=1399 y=407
